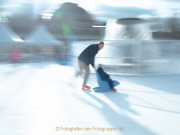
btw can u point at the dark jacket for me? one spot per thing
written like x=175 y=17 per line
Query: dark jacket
x=87 y=56
x=103 y=75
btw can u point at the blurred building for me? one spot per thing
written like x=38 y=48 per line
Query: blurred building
x=70 y=19
x=166 y=28
x=23 y=20
x=128 y=29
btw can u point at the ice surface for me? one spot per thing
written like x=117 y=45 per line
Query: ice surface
x=43 y=99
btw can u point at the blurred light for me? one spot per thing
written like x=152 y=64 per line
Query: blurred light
x=98 y=26
x=47 y=15
x=17 y=39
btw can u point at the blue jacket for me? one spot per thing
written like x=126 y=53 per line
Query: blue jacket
x=103 y=75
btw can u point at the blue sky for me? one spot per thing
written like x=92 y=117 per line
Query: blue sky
x=131 y=8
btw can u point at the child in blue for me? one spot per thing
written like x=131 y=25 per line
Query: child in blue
x=105 y=77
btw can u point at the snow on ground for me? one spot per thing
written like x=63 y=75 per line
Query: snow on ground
x=43 y=99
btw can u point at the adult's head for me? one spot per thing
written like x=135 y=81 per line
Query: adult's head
x=101 y=45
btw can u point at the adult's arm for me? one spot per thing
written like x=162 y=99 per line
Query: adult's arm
x=92 y=53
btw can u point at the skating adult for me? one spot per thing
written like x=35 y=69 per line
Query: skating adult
x=86 y=58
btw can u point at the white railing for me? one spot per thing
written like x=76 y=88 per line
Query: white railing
x=137 y=56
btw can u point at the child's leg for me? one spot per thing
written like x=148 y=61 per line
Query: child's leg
x=110 y=82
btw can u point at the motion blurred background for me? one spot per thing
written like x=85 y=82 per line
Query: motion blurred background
x=141 y=36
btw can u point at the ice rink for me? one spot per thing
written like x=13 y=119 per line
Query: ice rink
x=43 y=99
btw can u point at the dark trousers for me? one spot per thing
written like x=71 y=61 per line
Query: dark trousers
x=110 y=82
